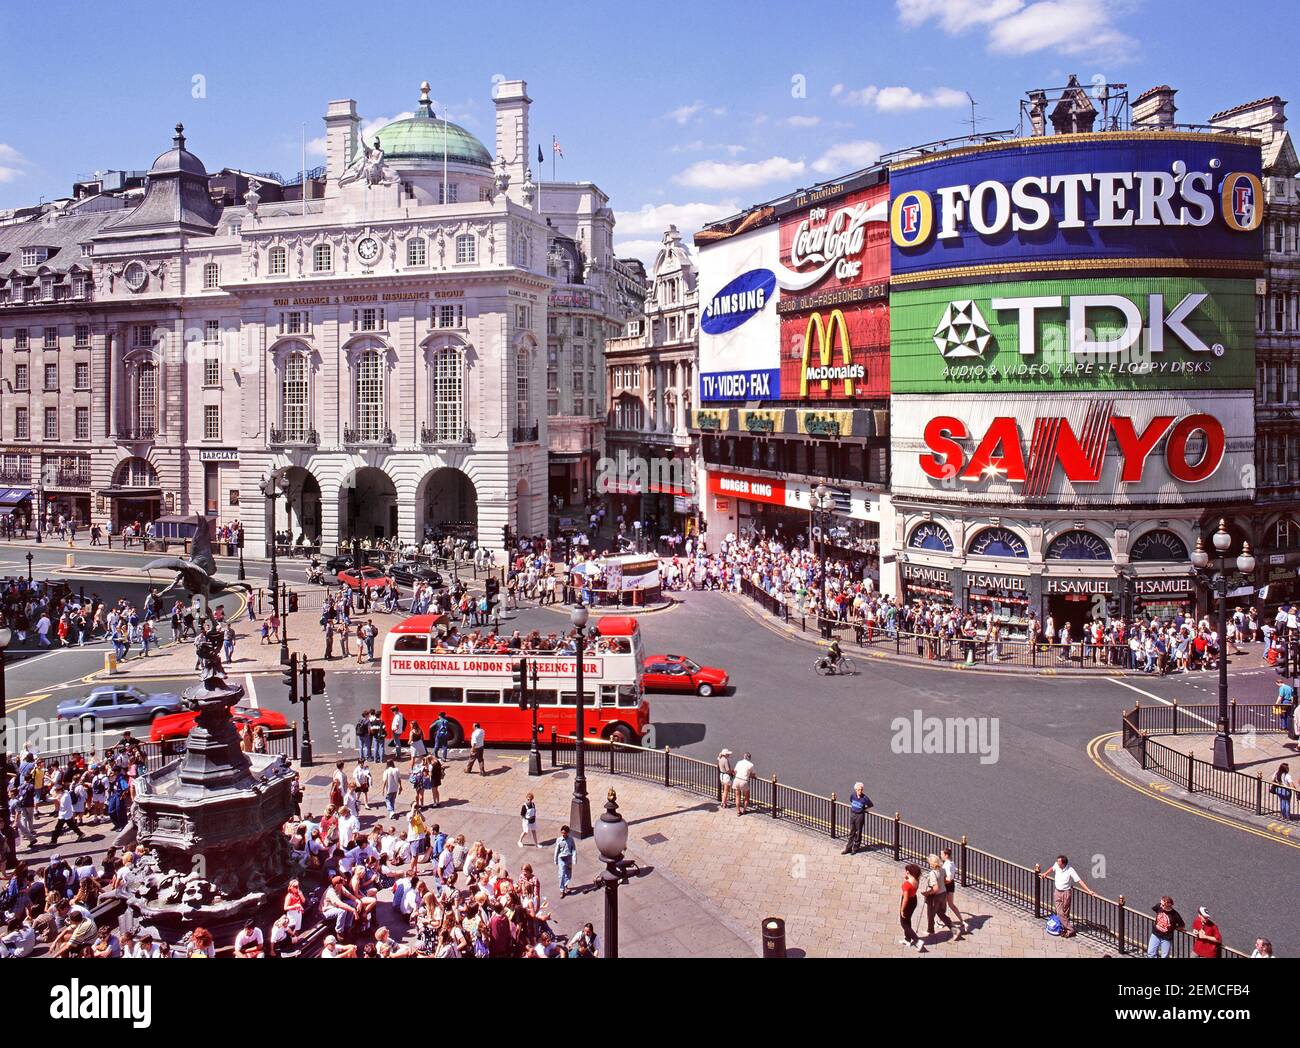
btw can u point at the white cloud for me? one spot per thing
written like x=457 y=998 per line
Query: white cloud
x=654 y=219
x=1016 y=27
x=370 y=127
x=802 y=121
x=12 y=163
x=847 y=156
x=699 y=146
x=695 y=111
x=898 y=99
x=711 y=174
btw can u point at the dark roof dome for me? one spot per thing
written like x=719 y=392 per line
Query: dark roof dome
x=178 y=158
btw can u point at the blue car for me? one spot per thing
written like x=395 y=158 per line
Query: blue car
x=118 y=703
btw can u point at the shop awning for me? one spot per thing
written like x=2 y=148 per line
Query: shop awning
x=10 y=498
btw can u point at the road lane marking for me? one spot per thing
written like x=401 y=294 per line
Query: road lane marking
x=1093 y=750
x=1166 y=702
x=250 y=690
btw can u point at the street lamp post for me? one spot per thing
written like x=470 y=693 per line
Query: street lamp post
x=534 y=753
x=273 y=487
x=820 y=500
x=29 y=567
x=6 y=829
x=1223 y=755
x=242 y=576
x=284 y=624
x=580 y=806
x=611 y=842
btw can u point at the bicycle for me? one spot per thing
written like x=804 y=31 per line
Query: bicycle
x=843 y=666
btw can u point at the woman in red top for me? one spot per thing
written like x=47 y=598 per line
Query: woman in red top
x=294 y=904
x=907 y=906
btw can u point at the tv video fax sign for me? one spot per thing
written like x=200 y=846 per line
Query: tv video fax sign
x=1158 y=201
x=1135 y=333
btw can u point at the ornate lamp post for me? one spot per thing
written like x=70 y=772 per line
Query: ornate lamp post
x=821 y=501
x=6 y=829
x=580 y=806
x=611 y=842
x=29 y=567
x=273 y=487
x=1223 y=756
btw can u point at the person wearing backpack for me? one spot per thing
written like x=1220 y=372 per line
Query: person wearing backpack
x=1168 y=923
x=363 y=735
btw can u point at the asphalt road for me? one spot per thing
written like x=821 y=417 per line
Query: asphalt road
x=1040 y=796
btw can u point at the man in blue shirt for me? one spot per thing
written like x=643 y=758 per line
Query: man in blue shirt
x=1286 y=699
x=859 y=804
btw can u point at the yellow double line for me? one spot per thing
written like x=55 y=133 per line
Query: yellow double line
x=1157 y=788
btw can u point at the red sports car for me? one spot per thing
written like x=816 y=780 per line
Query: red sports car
x=177 y=725
x=367 y=578
x=678 y=673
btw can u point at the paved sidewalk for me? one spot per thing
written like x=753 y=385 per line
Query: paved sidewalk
x=709 y=878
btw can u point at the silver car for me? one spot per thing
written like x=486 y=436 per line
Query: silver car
x=117 y=703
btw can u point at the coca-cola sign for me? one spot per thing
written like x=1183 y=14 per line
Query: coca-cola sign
x=836 y=244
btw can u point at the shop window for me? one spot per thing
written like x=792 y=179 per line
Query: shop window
x=999 y=542
x=1159 y=546
x=1078 y=545
x=930 y=536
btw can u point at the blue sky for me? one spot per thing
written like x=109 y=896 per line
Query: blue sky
x=679 y=112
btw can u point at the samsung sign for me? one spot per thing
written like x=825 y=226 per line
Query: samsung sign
x=745 y=297
x=1173 y=197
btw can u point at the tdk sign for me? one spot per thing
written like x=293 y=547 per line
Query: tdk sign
x=1159 y=199
x=746 y=296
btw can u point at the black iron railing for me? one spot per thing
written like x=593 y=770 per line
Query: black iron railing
x=1109 y=922
x=138 y=433
x=306 y=437
x=525 y=434
x=1250 y=793
x=428 y=436
x=368 y=436
x=15 y=476
x=283 y=741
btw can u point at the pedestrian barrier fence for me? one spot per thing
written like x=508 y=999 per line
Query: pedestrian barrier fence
x=976 y=650
x=279 y=742
x=1251 y=793
x=1109 y=922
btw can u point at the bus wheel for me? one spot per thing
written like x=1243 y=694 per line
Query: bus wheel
x=619 y=733
x=457 y=734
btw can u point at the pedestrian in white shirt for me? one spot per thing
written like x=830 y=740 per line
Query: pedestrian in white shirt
x=477 y=740
x=741 y=774
x=392 y=786
x=348 y=825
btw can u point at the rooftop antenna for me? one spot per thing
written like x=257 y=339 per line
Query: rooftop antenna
x=975 y=121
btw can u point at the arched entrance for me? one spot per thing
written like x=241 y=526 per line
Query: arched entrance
x=449 y=504
x=369 y=505
x=136 y=494
x=299 y=512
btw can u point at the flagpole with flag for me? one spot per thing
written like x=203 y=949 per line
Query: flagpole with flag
x=541 y=166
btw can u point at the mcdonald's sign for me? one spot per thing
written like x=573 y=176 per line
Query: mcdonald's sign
x=825 y=334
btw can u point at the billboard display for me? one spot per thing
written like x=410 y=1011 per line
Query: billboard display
x=1136 y=333
x=1017 y=449
x=740 y=334
x=1128 y=199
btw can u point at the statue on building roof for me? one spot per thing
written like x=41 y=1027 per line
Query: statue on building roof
x=369 y=168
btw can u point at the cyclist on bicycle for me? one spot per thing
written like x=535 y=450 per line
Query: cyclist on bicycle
x=834 y=655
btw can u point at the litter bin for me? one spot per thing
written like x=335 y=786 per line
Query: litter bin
x=773 y=937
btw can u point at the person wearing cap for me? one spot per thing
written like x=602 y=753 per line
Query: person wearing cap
x=744 y=769
x=333 y=948
x=725 y=773
x=338 y=905
x=1208 y=939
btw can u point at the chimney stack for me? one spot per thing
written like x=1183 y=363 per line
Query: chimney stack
x=512 y=102
x=1154 y=110
x=342 y=128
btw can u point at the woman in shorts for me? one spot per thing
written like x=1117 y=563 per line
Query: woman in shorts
x=725 y=772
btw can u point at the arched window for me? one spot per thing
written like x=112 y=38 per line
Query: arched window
x=322 y=258
x=136 y=473
x=931 y=536
x=1285 y=534
x=211 y=276
x=295 y=397
x=999 y=542
x=415 y=251
x=370 y=395
x=1078 y=545
x=1158 y=546
x=449 y=394
x=278 y=261
x=523 y=409
x=144 y=398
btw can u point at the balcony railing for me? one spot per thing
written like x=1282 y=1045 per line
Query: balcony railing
x=525 y=434
x=67 y=478
x=427 y=436
x=368 y=436
x=138 y=433
x=15 y=476
x=304 y=437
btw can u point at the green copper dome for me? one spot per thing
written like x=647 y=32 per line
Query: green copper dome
x=424 y=137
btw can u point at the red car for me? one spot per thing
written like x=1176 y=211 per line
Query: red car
x=678 y=673
x=174 y=726
x=367 y=578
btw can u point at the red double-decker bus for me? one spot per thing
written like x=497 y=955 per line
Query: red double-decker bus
x=423 y=678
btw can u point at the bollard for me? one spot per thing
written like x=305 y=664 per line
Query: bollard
x=110 y=662
x=72 y=560
x=773 y=937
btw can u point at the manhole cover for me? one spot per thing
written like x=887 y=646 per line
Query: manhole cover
x=655 y=838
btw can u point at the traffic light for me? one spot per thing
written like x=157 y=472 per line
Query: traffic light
x=505 y=536
x=521 y=683
x=290 y=676
x=318 y=680
x=492 y=588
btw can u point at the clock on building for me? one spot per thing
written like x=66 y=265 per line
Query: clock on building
x=367 y=249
